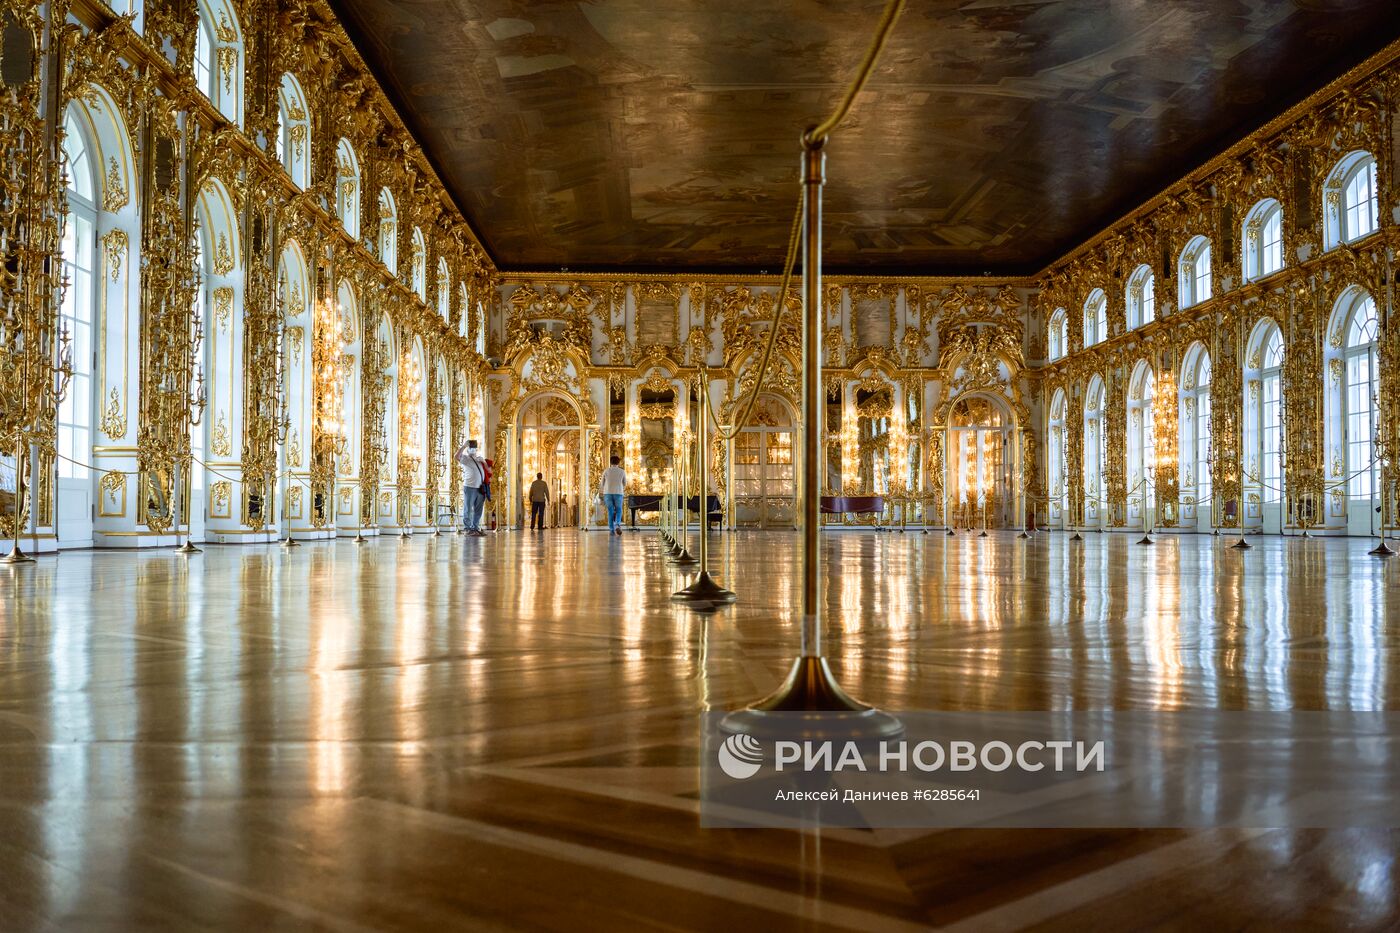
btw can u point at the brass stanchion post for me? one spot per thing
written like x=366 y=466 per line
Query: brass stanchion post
x=810 y=686
x=684 y=558
x=704 y=592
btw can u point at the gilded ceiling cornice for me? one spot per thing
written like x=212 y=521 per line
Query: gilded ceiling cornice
x=738 y=279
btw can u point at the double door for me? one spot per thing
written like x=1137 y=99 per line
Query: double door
x=765 y=482
x=978 y=482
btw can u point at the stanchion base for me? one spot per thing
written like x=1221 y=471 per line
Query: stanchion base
x=1241 y=545
x=1076 y=537
x=924 y=532
x=1147 y=539
x=1023 y=536
x=16 y=556
x=951 y=532
x=683 y=559
x=361 y=539
x=810 y=687
x=188 y=548
x=289 y=543
x=1380 y=550
x=704 y=590
x=984 y=535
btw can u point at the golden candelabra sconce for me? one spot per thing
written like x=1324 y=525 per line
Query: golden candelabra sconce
x=35 y=351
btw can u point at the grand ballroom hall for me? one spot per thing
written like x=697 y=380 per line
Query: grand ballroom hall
x=569 y=464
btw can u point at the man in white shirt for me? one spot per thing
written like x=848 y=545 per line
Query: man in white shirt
x=473 y=477
x=613 y=485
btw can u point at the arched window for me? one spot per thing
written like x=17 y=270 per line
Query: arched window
x=347 y=187
x=1142 y=446
x=1095 y=318
x=1058 y=334
x=1194 y=441
x=1353 y=332
x=79 y=249
x=1264 y=412
x=294 y=142
x=1055 y=478
x=388 y=231
x=1262 y=242
x=444 y=290
x=1351 y=209
x=218 y=57
x=1094 y=447
x=418 y=265
x=464 y=312
x=480 y=321
x=204 y=55
x=1194 y=283
x=1141 y=297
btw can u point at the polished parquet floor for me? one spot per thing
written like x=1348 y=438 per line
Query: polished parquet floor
x=501 y=733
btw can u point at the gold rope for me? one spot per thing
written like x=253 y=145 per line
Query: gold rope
x=819 y=132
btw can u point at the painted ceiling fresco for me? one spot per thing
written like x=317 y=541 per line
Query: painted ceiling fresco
x=662 y=135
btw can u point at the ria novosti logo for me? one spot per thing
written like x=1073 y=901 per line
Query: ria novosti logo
x=740 y=757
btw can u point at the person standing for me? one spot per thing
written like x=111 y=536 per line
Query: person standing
x=473 y=480
x=613 y=485
x=539 y=498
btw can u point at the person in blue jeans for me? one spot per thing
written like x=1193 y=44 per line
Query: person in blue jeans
x=613 y=484
x=473 y=480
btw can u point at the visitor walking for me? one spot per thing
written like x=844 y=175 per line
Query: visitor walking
x=539 y=498
x=613 y=484
x=474 y=479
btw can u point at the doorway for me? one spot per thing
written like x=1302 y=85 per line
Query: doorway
x=550 y=443
x=978 y=465
x=765 y=481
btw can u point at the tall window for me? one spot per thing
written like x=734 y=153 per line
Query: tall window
x=1351 y=209
x=1263 y=240
x=1196 y=424
x=1271 y=417
x=347 y=187
x=218 y=57
x=1142 y=297
x=1095 y=318
x=418 y=265
x=1094 y=443
x=294 y=129
x=204 y=57
x=1359 y=360
x=388 y=231
x=1142 y=448
x=1055 y=479
x=444 y=290
x=1058 y=334
x=1195 y=284
x=79 y=264
x=1359 y=201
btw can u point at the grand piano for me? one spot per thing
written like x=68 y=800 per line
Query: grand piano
x=651 y=502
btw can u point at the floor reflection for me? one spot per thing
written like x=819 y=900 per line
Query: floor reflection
x=404 y=734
